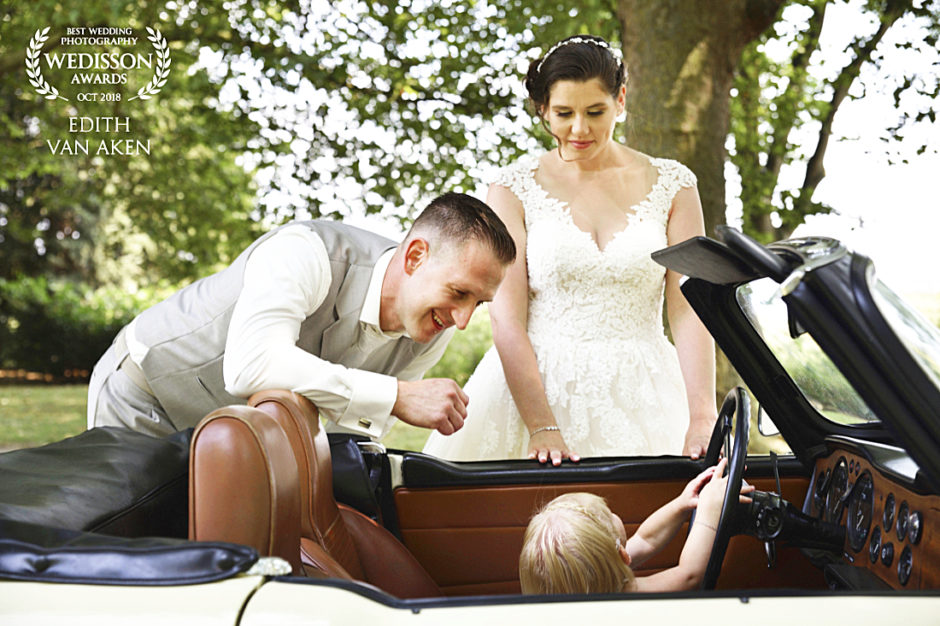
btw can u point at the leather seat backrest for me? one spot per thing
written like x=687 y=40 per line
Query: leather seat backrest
x=336 y=539
x=321 y=520
x=243 y=484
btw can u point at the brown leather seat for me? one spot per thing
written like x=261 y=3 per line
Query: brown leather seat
x=262 y=475
x=243 y=483
x=336 y=539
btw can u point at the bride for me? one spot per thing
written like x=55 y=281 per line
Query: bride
x=580 y=364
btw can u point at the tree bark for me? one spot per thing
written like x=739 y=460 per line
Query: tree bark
x=681 y=57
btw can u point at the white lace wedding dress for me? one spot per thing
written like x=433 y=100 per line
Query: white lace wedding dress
x=611 y=376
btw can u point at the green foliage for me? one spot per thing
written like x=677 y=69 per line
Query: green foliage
x=350 y=107
x=379 y=106
x=823 y=384
x=406 y=437
x=773 y=97
x=186 y=203
x=57 y=327
x=786 y=99
x=336 y=108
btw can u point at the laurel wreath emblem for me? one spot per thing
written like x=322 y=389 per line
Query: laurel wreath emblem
x=162 y=70
x=33 y=70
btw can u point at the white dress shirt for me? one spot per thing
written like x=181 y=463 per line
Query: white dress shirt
x=287 y=277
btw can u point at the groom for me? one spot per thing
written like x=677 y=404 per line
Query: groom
x=338 y=314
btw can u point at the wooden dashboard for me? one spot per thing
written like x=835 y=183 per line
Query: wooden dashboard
x=891 y=519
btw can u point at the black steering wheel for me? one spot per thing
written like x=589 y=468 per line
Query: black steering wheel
x=737 y=405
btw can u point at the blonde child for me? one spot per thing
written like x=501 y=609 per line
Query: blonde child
x=576 y=544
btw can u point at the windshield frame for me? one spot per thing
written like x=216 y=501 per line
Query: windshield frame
x=915 y=402
x=909 y=319
x=791 y=345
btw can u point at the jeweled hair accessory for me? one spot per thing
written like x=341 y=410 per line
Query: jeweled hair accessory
x=600 y=43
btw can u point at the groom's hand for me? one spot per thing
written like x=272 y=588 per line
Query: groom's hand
x=437 y=403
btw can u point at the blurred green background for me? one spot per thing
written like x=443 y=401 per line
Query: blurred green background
x=34 y=413
x=275 y=110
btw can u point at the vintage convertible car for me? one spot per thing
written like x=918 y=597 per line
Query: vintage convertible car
x=112 y=526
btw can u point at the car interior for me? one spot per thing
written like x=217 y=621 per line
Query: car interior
x=848 y=510
x=459 y=526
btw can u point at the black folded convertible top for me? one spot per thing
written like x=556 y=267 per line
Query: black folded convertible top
x=107 y=480
x=108 y=506
x=41 y=554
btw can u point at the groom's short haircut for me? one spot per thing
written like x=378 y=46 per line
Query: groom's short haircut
x=459 y=217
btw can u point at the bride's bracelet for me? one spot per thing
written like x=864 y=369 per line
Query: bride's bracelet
x=542 y=429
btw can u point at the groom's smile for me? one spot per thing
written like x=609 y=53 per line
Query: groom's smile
x=438 y=322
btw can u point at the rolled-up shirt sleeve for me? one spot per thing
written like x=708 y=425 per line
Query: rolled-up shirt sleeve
x=287 y=277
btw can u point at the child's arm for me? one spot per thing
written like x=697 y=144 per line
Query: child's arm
x=698 y=546
x=658 y=529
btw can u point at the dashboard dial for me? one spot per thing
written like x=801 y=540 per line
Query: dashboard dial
x=888 y=517
x=902 y=521
x=887 y=553
x=915 y=526
x=905 y=565
x=874 y=550
x=861 y=510
x=838 y=486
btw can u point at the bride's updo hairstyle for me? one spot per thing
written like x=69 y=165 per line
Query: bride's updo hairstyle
x=579 y=58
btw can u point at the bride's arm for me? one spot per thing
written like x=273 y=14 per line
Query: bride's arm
x=694 y=345
x=508 y=315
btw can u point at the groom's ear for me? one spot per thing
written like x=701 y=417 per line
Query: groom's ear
x=416 y=253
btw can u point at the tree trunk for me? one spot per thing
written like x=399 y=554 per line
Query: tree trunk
x=680 y=75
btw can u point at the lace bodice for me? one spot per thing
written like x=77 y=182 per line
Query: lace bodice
x=576 y=287
x=611 y=378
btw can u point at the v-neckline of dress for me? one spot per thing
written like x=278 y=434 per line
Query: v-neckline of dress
x=631 y=217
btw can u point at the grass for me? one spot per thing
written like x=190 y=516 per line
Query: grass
x=33 y=415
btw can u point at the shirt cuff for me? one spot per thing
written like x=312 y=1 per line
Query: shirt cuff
x=369 y=411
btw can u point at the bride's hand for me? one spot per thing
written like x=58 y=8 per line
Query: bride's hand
x=549 y=444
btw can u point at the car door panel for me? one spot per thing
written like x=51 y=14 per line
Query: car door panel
x=469 y=537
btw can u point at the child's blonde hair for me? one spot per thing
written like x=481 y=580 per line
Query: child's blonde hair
x=572 y=546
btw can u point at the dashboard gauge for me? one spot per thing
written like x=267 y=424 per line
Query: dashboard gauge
x=888 y=517
x=915 y=526
x=874 y=550
x=822 y=486
x=839 y=485
x=905 y=565
x=887 y=553
x=861 y=510
x=902 y=521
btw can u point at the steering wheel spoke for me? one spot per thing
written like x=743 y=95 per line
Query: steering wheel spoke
x=736 y=409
